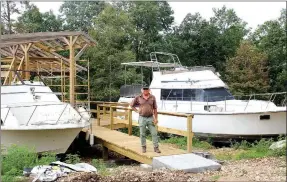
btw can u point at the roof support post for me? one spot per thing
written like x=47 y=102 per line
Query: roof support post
x=72 y=69
x=25 y=49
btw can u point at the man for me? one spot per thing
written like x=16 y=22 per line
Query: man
x=147 y=117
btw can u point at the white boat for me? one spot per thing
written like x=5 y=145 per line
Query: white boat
x=200 y=91
x=33 y=116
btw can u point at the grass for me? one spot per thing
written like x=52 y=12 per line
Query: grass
x=72 y=159
x=20 y=157
x=246 y=150
x=101 y=166
x=181 y=142
x=215 y=178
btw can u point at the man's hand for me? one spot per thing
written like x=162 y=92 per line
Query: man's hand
x=155 y=121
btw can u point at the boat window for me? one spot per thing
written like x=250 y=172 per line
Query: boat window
x=180 y=94
x=130 y=90
x=217 y=94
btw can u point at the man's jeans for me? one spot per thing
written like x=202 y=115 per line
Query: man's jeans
x=147 y=122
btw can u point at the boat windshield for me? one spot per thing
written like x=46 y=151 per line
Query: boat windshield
x=201 y=95
x=217 y=94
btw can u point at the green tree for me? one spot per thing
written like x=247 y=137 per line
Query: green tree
x=8 y=10
x=152 y=19
x=113 y=31
x=79 y=15
x=270 y=38
x=232 y=31
x=32 y=20
x=247 y=72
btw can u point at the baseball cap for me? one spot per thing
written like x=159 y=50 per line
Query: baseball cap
x=145 y=87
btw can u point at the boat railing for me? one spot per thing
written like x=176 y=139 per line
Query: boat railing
x=75 y=118
x=278 y=98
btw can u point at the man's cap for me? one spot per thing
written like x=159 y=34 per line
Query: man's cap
x=145 y=87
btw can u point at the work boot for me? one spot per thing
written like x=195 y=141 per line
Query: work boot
x=144 y=149
x=156 y=149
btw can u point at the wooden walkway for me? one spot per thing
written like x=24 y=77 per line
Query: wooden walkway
x=129 y=146
x=104 y=131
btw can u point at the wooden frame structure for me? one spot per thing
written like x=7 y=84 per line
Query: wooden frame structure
x=41 y=53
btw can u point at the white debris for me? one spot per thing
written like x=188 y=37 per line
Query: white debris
x=58 y=169
x=278 y=145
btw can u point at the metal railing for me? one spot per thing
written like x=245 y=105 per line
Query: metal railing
x=44 y=105
x=269 y=97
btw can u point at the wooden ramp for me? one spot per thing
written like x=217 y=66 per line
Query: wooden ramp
x=104 y=130
x=129 y=146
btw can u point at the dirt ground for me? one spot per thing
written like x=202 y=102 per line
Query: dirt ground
x=264 y=169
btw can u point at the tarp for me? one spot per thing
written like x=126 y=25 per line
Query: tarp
x=48 y=173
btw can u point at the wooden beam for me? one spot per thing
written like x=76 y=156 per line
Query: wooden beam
x=19 y=67
x=77 y=57
x=9 y=71
x=72 y=72
x=25 y=49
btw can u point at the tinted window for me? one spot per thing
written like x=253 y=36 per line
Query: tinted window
x=180 y=94
x=217 y=94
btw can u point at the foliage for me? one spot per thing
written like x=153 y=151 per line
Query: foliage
x=79 y=15
x=20 y=157
x=270 y=38
x=247 y=72
x=181 y=142
x=72 y=158
x=32 y=20
x=257 y=149
x=113 y=31
x=101 y=166
x=8 y=10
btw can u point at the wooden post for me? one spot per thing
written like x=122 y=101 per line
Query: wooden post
x=72 y=71
x=111 y=117
x=25 y=49
x=62 y=81
x=105 y=153
x=104 y=111
x=130 y=119
x=98 y=115
x=189 y=133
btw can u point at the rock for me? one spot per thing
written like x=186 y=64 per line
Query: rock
x=146 y=167
x=278 y=145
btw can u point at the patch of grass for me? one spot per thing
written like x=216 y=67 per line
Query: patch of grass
x=215 y=178
x=101 y=166
x=19 y=157
x=258 y=149
x=181 y=142
x=72 y=158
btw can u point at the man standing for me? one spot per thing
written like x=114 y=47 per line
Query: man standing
x=147 y=116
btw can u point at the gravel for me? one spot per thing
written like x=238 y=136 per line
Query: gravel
x=263 y=169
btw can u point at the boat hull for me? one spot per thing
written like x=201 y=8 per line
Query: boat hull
x=229 y=125
x=46 y=140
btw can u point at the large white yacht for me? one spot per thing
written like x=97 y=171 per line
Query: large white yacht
x=200 y=91
x=32 y=115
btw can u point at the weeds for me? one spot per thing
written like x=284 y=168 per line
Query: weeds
x=72 y=158
x=100 y=165
x=20 y=157
x=258 y=149
x=181 y=142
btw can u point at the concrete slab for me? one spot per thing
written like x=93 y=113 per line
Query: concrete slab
x=185 y=162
